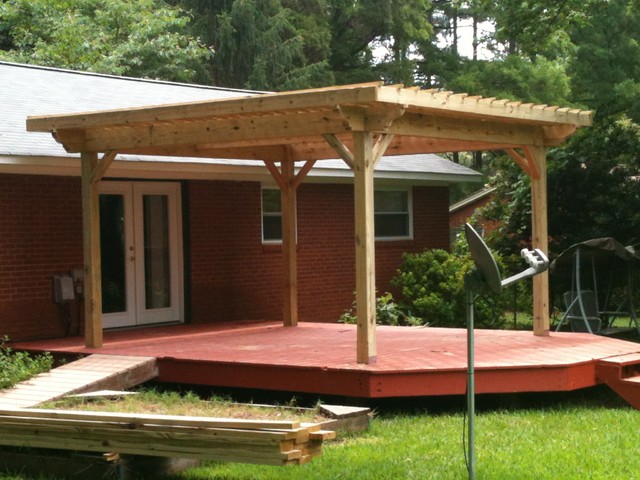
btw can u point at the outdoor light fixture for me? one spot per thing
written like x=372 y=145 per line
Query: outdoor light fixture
x=487 y=276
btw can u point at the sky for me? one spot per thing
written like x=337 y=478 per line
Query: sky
x=465 y=39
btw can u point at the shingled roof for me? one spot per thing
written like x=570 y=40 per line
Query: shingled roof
x=27 y=90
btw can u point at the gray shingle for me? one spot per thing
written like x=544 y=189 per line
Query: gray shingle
x=30 y=90
x=27 y=90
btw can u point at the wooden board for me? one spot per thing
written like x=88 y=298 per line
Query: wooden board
x=95 y=372
x=220 y=439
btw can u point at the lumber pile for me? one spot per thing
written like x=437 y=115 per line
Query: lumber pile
x=205 y=438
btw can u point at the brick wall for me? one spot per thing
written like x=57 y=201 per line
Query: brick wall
x=463 y=215
x=243 y=279
x=40 y=235
x=233 y=276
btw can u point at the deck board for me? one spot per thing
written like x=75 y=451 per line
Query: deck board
x=86 y=374
x=321 y=358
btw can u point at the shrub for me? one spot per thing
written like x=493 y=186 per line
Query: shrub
x=432 y=288
x=388 y=312
x=18 y=366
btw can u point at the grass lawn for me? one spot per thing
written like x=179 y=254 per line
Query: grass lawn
x=569 y=441
x=590 y=434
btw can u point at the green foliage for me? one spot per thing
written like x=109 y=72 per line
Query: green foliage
x=18 y=366
x=432 y=288
x=265 y=44
x=592 y=191
x=515 y=77
x=604 y=69
x=260 y=45
x=387 y=313
x=537 y=27
x=138 y=39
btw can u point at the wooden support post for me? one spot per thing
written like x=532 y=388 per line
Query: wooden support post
x=540 y=237
x=365 y=247
x=288 y=199
x=91 y=243
x=289 y=181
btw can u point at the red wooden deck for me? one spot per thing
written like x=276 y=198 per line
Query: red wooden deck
x=320 y=358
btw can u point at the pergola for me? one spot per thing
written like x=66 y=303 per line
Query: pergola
x=359 y=123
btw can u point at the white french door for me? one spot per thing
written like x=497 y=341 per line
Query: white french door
x=141 y=247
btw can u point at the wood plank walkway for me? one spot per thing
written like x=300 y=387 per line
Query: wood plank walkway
x=95 y=372
x=320 y=358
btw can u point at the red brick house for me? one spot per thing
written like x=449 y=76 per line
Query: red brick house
x=464 y=210
x=207 y=236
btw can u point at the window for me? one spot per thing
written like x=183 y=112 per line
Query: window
x=392 y=210
x=271 y=216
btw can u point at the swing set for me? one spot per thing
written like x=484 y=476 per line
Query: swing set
x=601 y=297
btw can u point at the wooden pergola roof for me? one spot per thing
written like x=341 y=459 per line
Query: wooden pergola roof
x=359 y=123
x=259 y=127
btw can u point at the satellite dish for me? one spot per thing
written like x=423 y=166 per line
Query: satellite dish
x=487 y=275
x=486 y=266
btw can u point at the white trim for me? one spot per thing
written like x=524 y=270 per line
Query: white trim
x=215 y=169
x=173 y=313
x=136 y=313
x=127 y=317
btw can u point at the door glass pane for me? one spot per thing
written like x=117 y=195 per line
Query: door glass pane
x=156 y=251
x=113 y=254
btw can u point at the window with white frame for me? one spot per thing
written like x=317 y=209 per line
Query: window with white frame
x=392 y=210
x=271 y=216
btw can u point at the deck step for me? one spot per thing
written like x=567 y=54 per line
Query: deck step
x=622 y=375
x=94 y=372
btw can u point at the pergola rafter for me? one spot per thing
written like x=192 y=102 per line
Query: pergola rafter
x=357 y=123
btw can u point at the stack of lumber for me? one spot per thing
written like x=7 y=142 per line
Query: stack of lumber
x=205 y=438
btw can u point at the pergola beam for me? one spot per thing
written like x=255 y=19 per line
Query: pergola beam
x=382 y=143
x=340 y=148
x=242 y=132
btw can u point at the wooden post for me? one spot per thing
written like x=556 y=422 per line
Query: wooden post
x=365 y=247
x=91 y=244
x=540 y=237
x=288 y=182
x=288 y=201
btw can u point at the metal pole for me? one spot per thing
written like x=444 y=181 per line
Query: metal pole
x=471 y=388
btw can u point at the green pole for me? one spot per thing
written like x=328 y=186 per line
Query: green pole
x=471 y=388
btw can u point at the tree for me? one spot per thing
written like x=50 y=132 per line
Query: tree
x=536 y=27
x=263 y=44
x=606 y=66
x=286 y=44
x=514 y=77
x=404 y=27
x=139 y=39
x=593 y=190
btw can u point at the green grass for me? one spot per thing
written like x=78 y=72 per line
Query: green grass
x=566 y=442
x=590 y=434
x=187 y=403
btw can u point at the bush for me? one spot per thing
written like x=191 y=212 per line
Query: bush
x=387 y=313
x=18 y=366
x=432 y=288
